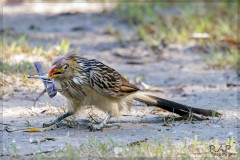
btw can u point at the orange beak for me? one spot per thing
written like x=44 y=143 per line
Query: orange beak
x=52 y=72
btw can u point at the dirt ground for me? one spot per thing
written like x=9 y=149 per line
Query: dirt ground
x=178 y=70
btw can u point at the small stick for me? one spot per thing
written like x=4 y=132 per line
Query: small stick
x=40 y=95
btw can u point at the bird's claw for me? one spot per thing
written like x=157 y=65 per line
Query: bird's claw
x=50 y=124
x=98 y=127
x=94 y=127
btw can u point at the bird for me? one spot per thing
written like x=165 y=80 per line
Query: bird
x=90 y=82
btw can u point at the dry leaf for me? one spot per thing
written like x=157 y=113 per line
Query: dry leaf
x=232 y=85
x=231 y=41
x=151 y=88
x=32 y=130
x=175 y=90
x=147 y=87
x=8 y=96
x=149 y=29
x=137 y=143
x=43 y=140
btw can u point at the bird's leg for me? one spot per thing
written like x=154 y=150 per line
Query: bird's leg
x=95 y=127
x=58 y=119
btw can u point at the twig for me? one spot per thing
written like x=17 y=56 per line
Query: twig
x=90 y=116
x=180 y=122
x=232 y=85
x=9 y=131
x=44 y=140
x=40 y=95
x=5 y=124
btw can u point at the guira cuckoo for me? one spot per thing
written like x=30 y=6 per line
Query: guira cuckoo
x=90 y=82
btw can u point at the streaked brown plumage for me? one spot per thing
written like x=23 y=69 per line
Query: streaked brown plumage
x=90 y=82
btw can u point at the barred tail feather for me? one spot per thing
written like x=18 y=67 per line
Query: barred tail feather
x=170 y=105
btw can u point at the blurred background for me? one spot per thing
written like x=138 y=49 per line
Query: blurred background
x=42 y=30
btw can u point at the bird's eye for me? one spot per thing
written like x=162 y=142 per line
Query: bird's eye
x=65 y=67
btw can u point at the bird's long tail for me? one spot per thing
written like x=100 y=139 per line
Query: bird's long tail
x=171 y=106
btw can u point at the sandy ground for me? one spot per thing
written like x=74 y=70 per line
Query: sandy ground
x=180 y=68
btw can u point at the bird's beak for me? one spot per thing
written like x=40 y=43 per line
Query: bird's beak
x=53 y=73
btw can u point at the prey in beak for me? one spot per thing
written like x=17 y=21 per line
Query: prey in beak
x=53 y=73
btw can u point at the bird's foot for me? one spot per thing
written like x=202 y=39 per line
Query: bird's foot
x=98 y=127
x=56 y=122
x=50 y=124
x=94 y=127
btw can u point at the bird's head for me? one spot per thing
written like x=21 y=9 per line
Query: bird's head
x=63 y=67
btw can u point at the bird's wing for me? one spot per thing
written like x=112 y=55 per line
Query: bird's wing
x=109 y=82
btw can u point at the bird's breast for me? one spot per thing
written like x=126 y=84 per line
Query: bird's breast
x=71 y=89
